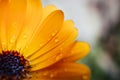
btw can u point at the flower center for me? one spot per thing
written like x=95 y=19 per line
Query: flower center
x=12 y=65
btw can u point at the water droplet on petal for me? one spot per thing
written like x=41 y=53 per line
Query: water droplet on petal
x=65 y=69
x=56 y=40
x=85 y=77
x=51 y=75
x=40 y=45
x=53 y=34
x=25 y=36
x=12 y=40
x=45 y=73
x=61 y=49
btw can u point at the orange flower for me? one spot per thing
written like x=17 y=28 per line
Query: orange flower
x=37 y=44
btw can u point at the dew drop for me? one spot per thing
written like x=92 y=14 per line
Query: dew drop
x=25 y=36
x=45 y=73
x=51 y=75
x=53 y=34
x=56 y=40
x=12 y=40
x=61 y=49
x=40 y=45
x=85 y=77
x=65 y=69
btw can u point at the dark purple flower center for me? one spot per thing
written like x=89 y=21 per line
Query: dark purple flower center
x=11 y=64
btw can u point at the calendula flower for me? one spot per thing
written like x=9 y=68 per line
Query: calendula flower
x=38 y=44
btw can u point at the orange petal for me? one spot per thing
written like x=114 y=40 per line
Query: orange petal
x=63 y=71
x=31 y=24
x=11 y=17
x=3 y=33
x=49 y=26
x=48 y=10
x=53 y=51
x=77 y=51
x=17 y=17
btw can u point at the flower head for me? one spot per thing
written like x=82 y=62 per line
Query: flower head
x=36 y=43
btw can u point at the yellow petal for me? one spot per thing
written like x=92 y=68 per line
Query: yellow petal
x=48 y=10
x=77 y=51
x=3 y=37
x=62 y=71
x=52 y=52
x=15 y=19
x=49 y=26
x=3 y=25
x=11 y=18
x=31 y=24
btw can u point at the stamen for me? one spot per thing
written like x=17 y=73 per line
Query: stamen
x=13 y=66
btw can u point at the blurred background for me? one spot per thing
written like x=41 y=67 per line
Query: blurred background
x=98 y=22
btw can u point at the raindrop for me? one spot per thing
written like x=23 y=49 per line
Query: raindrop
x=12 y=40
x=40 y=45
x=65 y=69
x=45 y=73
x=25 y=36
x=56 y=40
x=61 y=49
x=52 y=75
x=53 y=34
x=85 y=77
